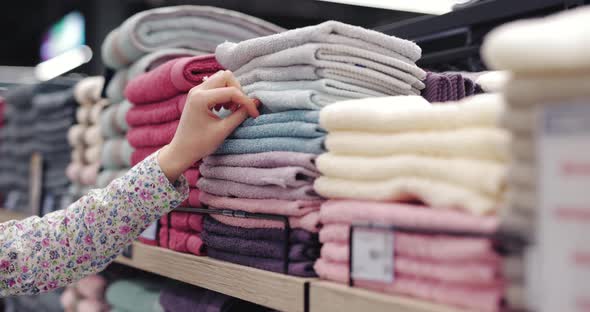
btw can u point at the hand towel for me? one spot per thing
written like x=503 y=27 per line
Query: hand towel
x=156 y=113
x=241 y=190
x=260 y=248
x=134 y=295
x=462 y=172
x=264 y=160
x=416 y=246
x=445 y=87
x=478 y=143
x=309 y=222
x=87 y=90
x=184 y=221
x=199 y=28
x=349 y=211
x=294 y=208
x=116 y=153
x=233 y=56
x=181 y=241
x=299 y=268
x=154 y=59
x=476 y=298
x=412 y=113
x=280 y=144
x=152 y=135
x=112 y=120
x=298 y=236
x=292 y=129
x=172 y=78
x=92 y=286
x=193 y=199
x=284 y=177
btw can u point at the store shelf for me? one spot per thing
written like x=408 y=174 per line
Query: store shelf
x=277 y=291
x=6 y=215
x=328 y=296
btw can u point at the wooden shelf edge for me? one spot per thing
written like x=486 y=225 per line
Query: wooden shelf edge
x=328 y=296
x=273 y=290
x=7 y=215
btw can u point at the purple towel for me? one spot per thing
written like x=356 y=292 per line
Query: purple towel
x=187 y=298
x=444 y=87
x=241 y=190
x=302 y=269
x=283 y=176
x=264 y=160
x=215 y=227
x=261 y=248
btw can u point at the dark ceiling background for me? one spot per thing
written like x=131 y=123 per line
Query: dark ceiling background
x=23 y=22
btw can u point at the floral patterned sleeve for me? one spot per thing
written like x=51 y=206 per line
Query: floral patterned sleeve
x=41 y=254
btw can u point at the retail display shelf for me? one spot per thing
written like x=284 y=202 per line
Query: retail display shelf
x=329 y=296
x=277 y=291
x=7 y=215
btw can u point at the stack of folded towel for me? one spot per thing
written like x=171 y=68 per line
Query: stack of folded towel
x=445 y=87
x=88 y=295
x=541 y=82
x=135 y=295
x=311 y=67
x=385 y=153
x=265 y=166
x=181 y=231
x=85 y=137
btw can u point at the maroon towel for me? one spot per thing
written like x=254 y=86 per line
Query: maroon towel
x=172 y=78
x=184 y=221
x=181 y=241
x=445 y=87
x=152 y=135
x=157 y=113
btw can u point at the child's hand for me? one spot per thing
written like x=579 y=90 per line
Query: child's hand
x=200 y=131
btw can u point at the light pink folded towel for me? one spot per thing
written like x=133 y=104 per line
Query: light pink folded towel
x=470 y=297
x=309 y=222
x=282 y=176
x=293 y=208
x=264 y=160
x=241 y=190
x=349 y=211
x=156 y=113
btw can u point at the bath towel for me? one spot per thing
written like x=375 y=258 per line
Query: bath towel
x=528 y=92
x=260 y=248
x=299 y=268
x=233 y=56
x=478 y=143
x=297 y=236
x=83 y=115
x=476 y=298
x=116 y=153
x=349 y=211
x=280 y=144
x=198 y=28
x=154 y=59
x=106 y=176
x=184 y=221
x=445 y=87
x=412 y=113
x=181 y=241
x=192 y=176
x=523 y=148
x=294 y=129
x=309 y=222
x=134 y=295
x=193 y=199
x=92 y=136
x=235 y=189
x=92 y=154
x=157 y=113
x=521 y=121
x=294 y=208
x=152 y=135
x=112 y=120
x=76 y=135
x=87 y=91
x=305 y=116
x=466 y=173
x=172 y=78
x=284 y=177
x=264 y=160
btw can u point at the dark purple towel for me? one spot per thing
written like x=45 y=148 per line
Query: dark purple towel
x=295 y=236
x=188 y=298
x=261 y=248
x=302 y=269
x=444 y=87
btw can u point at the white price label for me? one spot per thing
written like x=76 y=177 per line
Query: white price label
x=372 y=255
x=563 y=157
x=151 y=231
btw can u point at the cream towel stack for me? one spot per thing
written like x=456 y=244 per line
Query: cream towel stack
x=450 y=156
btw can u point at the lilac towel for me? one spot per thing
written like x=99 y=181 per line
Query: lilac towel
x=215 y=227
x=264 y=160
x=291 y=208
x=241 y=190
x=187 y=298
x=301 y=268
x=283 y=177
x=445 y=87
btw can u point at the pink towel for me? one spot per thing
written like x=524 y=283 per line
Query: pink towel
x=152 y=135
x=184 y=221
x=92 y=287
x=170 y=79
x=157 y=113
x=264 y=160
x=309 y=222
x=439 y=248
x=241 y=190
x=193 y=199
x=192 y=176
x=283 y=176
x=293 y=208
x=348 y=211
x=467 y=272
x=187 y=242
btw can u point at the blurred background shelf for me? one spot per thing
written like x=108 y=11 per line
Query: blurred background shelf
x=7 y=215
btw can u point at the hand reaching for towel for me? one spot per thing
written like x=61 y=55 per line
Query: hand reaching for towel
x=201 y=131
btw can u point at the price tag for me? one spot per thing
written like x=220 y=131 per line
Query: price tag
x=151 y=231
x=563 y=156
x=372 y=255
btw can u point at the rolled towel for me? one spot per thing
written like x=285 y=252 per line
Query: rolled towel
x=77 y=155
x=157 y=113
x=199 y=28
x=76 y=135
x=235 y=189
x=96 y=111
x=87 y=91
x=112 y=120
x=116 y=88
x=83 y=115
x=264 y=160
x=152 y=135
x=92 y=154
x=172 y=78
x=284 y=177
x=233 y=56
x=445 y=87
x=92 y=136
x=213 y=226
x=279 y=144
x=116 y=153
x=295 y=208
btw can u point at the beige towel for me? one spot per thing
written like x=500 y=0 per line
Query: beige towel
x=523 y=148
x=478 y=143
x=493 y=81
x=93 y=136
x=520 y=120
x=463 y=172
x=433 y=193
x=522 y=174
x=550 y=89
x=87 y=91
